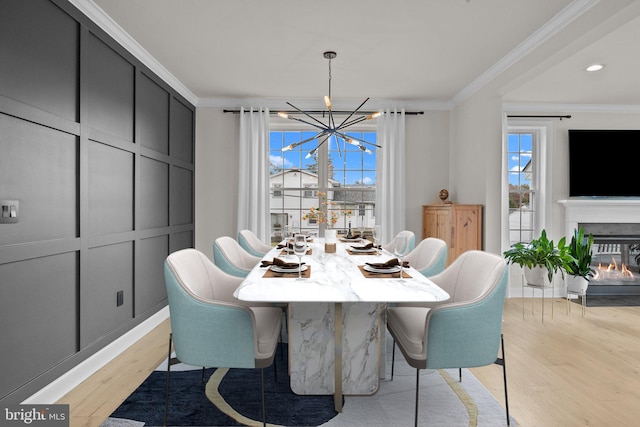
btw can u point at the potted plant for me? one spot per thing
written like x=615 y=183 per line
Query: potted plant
x=540 y=258
x=579 y=269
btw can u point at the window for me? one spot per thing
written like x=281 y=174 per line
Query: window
x=522 y=192
x=528 y=187
x=344 y=173
x=276 y=190
x=309 y=193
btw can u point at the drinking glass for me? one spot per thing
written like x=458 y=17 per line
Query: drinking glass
x=300 y=249
x=400 y=250
x=288 y=234
x=377 y=235
x=361 y=227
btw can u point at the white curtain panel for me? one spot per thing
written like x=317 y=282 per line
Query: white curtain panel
x=390 y=194
x=253 y=183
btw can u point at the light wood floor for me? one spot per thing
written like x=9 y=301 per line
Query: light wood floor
x=565 y=371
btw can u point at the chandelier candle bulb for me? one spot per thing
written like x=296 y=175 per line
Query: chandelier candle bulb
x=327 y=102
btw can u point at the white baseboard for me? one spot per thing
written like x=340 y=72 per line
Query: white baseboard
x=71 y=379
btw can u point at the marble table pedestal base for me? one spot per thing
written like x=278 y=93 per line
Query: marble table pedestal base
x=321 y=349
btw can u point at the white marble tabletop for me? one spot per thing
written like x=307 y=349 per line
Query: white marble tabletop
x=336 y=278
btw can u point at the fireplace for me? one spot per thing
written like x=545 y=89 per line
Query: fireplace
x=615 y=225
x=616 y=258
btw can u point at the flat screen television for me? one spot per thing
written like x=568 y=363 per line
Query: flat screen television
x=604 y=163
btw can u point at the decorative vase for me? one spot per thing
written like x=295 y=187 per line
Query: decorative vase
x=330 y=240
x=537 y=276
x=577 y=284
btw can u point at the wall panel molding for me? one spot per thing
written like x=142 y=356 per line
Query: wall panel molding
x=97 y=195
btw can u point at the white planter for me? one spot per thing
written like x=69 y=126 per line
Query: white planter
x=577 y=284
x=537 y=276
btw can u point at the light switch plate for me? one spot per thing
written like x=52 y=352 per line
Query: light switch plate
x=9 y=211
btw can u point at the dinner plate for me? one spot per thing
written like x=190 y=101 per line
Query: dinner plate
x=278 y=269
x=371 y=269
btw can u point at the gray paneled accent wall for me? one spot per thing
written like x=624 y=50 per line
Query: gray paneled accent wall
x=98 y=151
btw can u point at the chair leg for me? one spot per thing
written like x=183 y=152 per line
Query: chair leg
x=460 y=374
x=501 y=361
x=417 y=389
x=264 y=412
x=275 y=369
x=166 y=388
x=393 y=358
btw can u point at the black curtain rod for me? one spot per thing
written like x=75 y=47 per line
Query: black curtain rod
x=325 y=112
x=541 y=117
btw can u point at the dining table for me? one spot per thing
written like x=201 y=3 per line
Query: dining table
x=336 y=312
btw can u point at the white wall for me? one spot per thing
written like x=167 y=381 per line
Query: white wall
x=427 y=153
x=216 y=176
x=427 y=162
x=476 y=160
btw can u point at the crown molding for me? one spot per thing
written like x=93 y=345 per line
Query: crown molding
x=542 y=34
x=519 y=107
x=276 y=104
x=108 y=25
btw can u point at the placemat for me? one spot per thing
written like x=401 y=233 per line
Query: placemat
x=370 y=275
x=288 y=275
x=350 y=252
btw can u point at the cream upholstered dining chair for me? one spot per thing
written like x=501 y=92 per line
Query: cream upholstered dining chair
x=232 y=258
x=464 y=332
x=251 y=243
x=209 y=327
x=429 y=257
x=390 y=247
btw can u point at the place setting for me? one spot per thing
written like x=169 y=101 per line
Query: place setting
x=366 y=249
x=391 y=268
x=287 y=248
x=279 y=268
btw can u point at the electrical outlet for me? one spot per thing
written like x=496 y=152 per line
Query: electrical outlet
x=119 y=298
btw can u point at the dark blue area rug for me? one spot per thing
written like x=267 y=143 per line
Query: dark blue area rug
x=240 y=389
x=444 y=400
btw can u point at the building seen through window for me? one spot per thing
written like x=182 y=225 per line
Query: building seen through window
x=339 y=180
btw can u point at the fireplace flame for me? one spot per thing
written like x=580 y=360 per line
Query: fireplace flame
x=611 y=271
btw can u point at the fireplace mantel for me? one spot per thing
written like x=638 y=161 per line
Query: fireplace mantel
x=599 y=210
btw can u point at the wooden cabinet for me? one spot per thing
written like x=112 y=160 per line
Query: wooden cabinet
x=458 y=225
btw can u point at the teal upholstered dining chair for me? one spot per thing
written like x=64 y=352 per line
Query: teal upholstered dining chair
x=251 y=243
x=429 y=257
x=465 y=332
x=232 y=258
x=209 y=327
x=389 y=247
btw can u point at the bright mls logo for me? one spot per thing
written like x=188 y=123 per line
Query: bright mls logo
x=35 y=415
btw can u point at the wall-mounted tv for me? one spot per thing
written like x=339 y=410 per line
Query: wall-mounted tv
x=604 y=163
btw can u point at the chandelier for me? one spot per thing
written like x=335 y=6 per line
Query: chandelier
x=330 y=129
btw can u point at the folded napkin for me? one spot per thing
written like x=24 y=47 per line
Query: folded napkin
x=282 y=245
x=392 y=263
x=359 y=248
x=280 y=263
